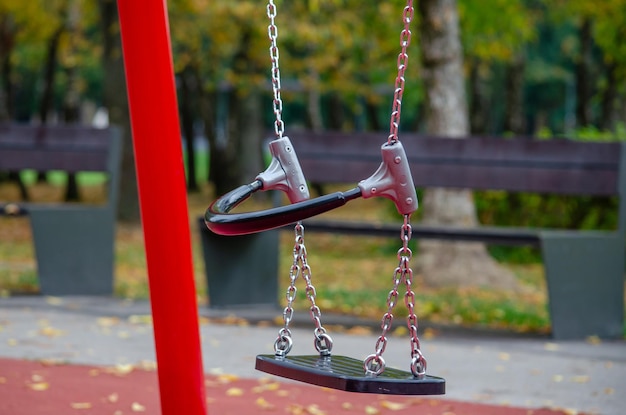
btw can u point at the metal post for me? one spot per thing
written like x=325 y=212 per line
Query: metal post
x=163 y=201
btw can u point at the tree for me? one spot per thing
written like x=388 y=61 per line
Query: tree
x=449 y=263
x=115 y=100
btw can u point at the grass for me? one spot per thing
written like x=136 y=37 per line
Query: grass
x=352 y=275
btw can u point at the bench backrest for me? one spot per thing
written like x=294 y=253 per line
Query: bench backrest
x=556 y=166
x=70 y=148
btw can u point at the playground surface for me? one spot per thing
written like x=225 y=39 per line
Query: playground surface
x=96 y=356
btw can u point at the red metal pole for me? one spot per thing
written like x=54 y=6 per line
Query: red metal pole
x=163 y=201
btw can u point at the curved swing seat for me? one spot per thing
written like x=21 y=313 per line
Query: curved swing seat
x=347 y=374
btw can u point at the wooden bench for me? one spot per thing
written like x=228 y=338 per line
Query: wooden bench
x=74 y=242
x=584 y=268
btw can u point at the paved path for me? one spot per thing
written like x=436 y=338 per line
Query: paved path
x=528 y=372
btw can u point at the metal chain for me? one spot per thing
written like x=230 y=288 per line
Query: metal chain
x=374 y=364
x=403 y=58
x=272 y=31
x=322 y=341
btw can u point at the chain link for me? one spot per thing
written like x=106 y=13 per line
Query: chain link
x=403 y=58
x=374 y=364
x=272 y=31
x=300 y=267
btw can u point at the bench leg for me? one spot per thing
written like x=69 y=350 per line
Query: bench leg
x=74 y=250
x=585 y=277
x=240 y=270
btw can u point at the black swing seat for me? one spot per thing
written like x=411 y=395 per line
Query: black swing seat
x=347 y=374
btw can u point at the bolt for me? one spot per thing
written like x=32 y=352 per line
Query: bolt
x=409 y=200
x=373 y=190
x=397 y=160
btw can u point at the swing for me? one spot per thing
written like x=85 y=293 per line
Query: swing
x=391 y=180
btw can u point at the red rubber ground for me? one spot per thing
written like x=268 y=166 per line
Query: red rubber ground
x=38 y=388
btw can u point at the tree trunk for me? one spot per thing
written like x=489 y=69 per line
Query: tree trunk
x=479 y=102
x=239 y=159
x=71 y=101
x=115 y=100
x=514 y=118
x=608 y=115
x=584 y=89
x=187 y=84
x=449 y=263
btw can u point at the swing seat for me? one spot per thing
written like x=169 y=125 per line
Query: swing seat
x=347 y=374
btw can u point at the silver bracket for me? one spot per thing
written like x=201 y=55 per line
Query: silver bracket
x=284 y=172
x=392 y=180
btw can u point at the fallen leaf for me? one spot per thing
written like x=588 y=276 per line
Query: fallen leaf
x=113 y=397
x=137 y=407
x=609 y=391
x=3 y=380
x=557 y=378
x=140 y=319
x=54 y=300
x=392 y=406
x=347 y=406
x=595 y=340
x=121 y=369
x=234 y=392
x=51 y=332
x=123 y=334
x=551 y=347
x=39 y=386
x=262 y=403
x=80 y=405
x=581 y=379
x=315 y=410
x=12 y=342
x=504 y=356
x=295 y=409
x=266 y=387
x=371 y=410
x=227 y=378
x=107 y=321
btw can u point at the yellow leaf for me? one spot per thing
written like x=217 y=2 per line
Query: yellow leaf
x=593 y=340
x=315 y=410
x=80 y=405
x=113 y=397
x=609 y=391
x=347 y=406
x=12 y=342
x=54 y=300
x=39 y=386
x=227 y=378
x=552 y=347
x=51 y=332
x=393 y=406
x=504 y=356
x=140 y=319
x=371 y=410
x=137 y=407
x=107 y=321
x=557 y=378
x=581 y=379
x=262 y=403
x=234 y=392
x=121 y=369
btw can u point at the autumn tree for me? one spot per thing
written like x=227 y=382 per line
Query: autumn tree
x=449 y=263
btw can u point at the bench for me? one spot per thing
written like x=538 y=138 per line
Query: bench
x=74 y=243
x=584 y=268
